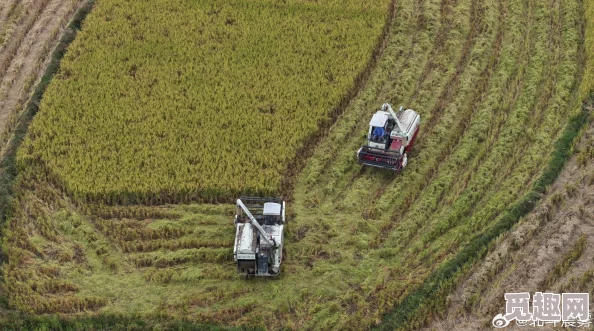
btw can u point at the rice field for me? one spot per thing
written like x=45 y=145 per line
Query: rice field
x=495 y=83
x=198 y=100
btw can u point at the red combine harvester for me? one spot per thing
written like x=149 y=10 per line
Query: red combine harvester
x=391 y=135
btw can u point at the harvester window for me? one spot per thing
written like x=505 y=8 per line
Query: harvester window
x=377 y=134
x=270 y=220
x=260 y=219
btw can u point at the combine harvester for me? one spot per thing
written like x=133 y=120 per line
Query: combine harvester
x=391 y=135
x=259 y=224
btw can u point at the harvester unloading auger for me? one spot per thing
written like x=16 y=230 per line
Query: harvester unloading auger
x=391 y=135
x=259 y=224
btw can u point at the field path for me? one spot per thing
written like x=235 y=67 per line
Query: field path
x=29 y=30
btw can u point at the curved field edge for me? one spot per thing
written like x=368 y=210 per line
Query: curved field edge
x=560 y=229
x=448 y=278
x=8 y=171
x=430 y=297
x=198 y=101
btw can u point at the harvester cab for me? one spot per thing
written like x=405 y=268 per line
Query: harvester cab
x=390 y=137
x=259 y=224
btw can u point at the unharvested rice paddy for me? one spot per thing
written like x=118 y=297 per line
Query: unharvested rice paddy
x=169 y=101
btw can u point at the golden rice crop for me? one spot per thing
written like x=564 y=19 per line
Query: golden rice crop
x=169 y=100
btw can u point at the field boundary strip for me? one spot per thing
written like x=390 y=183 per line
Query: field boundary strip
x=8 y=173
x=7 y=162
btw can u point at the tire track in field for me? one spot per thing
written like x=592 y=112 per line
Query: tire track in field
x=463 y=175
x=512 y=90
x=549 y=82
x=523 y=142
x=439 y=44
x=363 y=117
x=419 y=12
x=446 y=26
x=448 y=93
x=548 y=85
x=23 y=59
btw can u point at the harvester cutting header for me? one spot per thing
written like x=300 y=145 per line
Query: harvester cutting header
x=390 y=137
